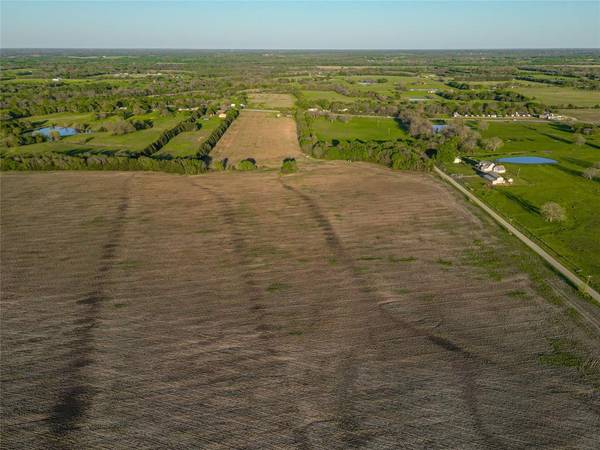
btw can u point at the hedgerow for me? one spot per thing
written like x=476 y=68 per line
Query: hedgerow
x=211 y=141
x=55 y=161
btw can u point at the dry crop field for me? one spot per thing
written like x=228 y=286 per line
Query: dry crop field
x=259 y=135
x=344 y=305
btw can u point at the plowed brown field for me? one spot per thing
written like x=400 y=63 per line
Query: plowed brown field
x=259 y=135
x=345 y=305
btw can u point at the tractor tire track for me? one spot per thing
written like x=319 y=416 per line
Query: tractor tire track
x=76 y=396
x=227 y=212
x=464 y=364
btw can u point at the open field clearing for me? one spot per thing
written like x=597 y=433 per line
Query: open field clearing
x=259 y=135
x=345 y=305
x=268 y=100
x=587 y=115
x=386 y=84
x=188 y=143
x=101 y=141
x=553 y=95
x=363 y=128
x=330 y=96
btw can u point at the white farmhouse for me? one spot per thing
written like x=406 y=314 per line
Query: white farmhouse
x=485 y=166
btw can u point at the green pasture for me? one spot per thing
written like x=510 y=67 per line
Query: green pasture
x=575 y=241
x=392 y=81
x=188 y=142
x=555 y=95
x=591 y=115
x=97 y=140
x=362 y=128
x=330 y=96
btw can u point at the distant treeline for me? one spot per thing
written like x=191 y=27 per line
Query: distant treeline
x=499 y=96
x=576 y=83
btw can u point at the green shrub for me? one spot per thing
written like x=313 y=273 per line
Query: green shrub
x=289 y=165
x=246 y=164
x=219 y=165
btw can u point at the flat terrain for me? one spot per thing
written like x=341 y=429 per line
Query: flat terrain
x=188 y=143
x=270 y=100
x=331 y=96
x=555 y=95
x=345 y=305
x=362 y=128
x=586 y=115
x=574 y=241
x=260 y=135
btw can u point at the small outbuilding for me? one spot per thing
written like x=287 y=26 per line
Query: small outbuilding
x=494 y=178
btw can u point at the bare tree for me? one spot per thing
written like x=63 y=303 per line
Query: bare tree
x=553 y=212
x=493 y=143
x=579 y=140
x=591 y=173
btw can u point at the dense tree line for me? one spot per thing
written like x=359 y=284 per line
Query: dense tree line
x=459 y=85
x=57 y=161
x=496 y=95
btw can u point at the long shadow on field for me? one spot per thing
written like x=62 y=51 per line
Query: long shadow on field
x=525 y=204
x=76 y=395
x=465 y=365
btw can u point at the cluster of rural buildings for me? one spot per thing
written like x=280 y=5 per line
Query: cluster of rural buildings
x=517 y=115
x=491 y=172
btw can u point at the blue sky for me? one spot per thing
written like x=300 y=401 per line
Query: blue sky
x=303 y=25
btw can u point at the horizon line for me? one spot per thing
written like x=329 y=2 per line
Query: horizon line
x=301 y=49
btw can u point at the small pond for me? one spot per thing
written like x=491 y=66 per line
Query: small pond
x=63 y=131
x=438 y=128
x=526 y=160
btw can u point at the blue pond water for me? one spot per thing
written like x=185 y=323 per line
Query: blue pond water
x=438 y=128
x=526 y=160
x=63 y=131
